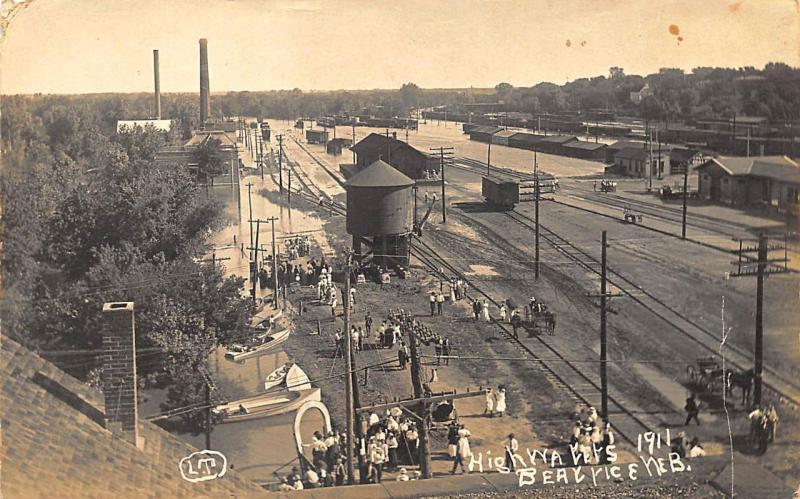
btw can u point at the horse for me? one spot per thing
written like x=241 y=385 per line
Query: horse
x=743 y=380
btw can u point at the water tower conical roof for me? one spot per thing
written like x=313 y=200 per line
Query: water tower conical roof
x=379 y=174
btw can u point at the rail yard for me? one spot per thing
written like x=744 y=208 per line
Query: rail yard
x=316 y=278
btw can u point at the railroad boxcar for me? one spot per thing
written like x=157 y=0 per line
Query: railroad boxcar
x=502 y=194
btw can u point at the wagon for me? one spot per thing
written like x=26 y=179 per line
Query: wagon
x=631 y=216
x=608 y=186
x=705 y=373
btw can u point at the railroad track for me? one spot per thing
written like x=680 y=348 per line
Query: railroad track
x=706 y=339
x=562 y=373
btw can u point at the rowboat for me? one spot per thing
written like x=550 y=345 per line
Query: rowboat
x=297 y=379
x=277 y=377
x=265 y=405
x=269 y=343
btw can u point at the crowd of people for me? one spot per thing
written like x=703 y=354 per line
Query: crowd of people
x=389 y=441
x=590 y=435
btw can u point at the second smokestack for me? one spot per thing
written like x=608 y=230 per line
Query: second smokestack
x=157 y=81
x=205 y=92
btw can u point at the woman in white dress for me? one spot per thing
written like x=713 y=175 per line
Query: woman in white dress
x=489 y=403
x=500 y=402
x=486 y=311
x=502 y=313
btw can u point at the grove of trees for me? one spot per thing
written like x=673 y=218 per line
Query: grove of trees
x=89 y=218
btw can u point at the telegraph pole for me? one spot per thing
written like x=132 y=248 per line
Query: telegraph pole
x=685 y=196
x=280 y=163
x=274 y=266
x=604 y=296
x=250 y=220
x=446 y=157
x=261 y=155
x=603 y=351
x=764 y=266
x=416 y=380
x=348 y=387
x=536 y=215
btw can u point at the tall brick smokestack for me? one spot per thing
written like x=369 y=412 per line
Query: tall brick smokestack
x=205 y=92
x=157 y=82
x=119 y=373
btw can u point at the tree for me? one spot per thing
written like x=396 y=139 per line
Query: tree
x=209 y=158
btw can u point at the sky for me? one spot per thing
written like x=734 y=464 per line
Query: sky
x=87 y=46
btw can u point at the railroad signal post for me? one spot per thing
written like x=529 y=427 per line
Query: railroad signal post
x=763 y=267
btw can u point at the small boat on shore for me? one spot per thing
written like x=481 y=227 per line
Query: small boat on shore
x=289 y=376
x=269 y=342
x=265 y=405
x=277 y=377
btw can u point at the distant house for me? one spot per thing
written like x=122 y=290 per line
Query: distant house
x=524 y=140
x=335 y=146
x=638 y=97
x=772 y=181
x=554 y=144
x=682 y=160
x=410 y=161
x=185 y=155
x=483 y=133
x=585 y=150
x=619 y=145
x=502 y=137
x=631 y=161
x=316 y=136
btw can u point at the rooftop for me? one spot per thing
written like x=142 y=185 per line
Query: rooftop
x=589 y=146
x=631 y=153
x=559 y=139
x=55 y=443
x=780 y=168
x=379 y=174
x=382 y=143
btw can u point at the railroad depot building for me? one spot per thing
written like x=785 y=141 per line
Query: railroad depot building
x=765 y=181
x=412 y=162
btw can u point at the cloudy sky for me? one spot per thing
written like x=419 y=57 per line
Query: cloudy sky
x=77 y=46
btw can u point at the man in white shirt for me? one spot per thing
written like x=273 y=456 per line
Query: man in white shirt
x=512 y=446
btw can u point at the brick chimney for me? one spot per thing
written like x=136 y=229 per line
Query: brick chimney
x=119 y=373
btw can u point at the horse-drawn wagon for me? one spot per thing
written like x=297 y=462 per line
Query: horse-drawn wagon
x=534 y=317
x=706 y=373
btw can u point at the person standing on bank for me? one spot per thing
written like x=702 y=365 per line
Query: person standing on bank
x=500 y=401
x=692 y=409
x=489 y=403
x=433 y=303
x=439 y=303
x=512 y=446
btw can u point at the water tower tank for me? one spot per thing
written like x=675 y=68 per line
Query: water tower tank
x=379 y=201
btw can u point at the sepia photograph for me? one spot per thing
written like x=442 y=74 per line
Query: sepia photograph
x=471 y=249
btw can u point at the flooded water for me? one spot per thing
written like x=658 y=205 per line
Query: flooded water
x=449 y=134
x=262 y=447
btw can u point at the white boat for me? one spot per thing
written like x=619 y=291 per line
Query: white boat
x=297 y=379
x=270 y=343
x=265 y=405
x=277 y=377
